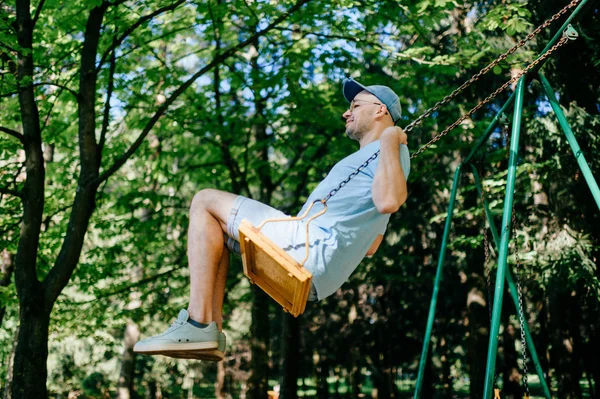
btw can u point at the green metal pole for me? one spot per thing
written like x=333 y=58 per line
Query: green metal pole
x=436 y=284
x=551 y=43
x=513 y=292
x=562 y=120
x=503 y=249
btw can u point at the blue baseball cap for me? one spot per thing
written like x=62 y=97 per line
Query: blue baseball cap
x=383 y=93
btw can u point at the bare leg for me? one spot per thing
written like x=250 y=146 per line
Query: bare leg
x=206 y=250
x=219 y=292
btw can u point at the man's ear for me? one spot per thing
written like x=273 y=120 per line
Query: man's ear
x=382 y=111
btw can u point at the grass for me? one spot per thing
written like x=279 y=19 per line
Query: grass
x=307 y=388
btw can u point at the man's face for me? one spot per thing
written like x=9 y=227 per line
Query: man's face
x=360 y=116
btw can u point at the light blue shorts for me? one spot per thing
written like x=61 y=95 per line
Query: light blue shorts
x=285 y=234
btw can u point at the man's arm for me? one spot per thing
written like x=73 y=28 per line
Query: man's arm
x=375 y=245
x=389 y=183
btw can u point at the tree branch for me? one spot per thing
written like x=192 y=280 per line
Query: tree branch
x=60 y=86
x=37 y=13
x=7 y=267
x=155 y=38
x=162 y=109
x=129 y=287
x=256 y=18
x=13 y=133
x=7 y=227
x=291 y=166
x=49 y=113
x=8 y=191
x=301 y=187
x=203 y=165
x=418 y=28
x=26 y=281
x=84 y=202
x=117 y=42
x=6 y=46
x=117 y=3
x=106 y=118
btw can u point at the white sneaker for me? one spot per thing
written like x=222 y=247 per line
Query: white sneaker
x=181 y=336
x=211 y=355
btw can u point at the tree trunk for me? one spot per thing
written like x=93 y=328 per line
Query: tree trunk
x=355 y=376
x=152 y=392
x=30 y=370
x=381 y=375
x=258 y=382
x=259 y=346
x=575 y=327
x=510 y=368
x=337 y=373
x=32 y=342
x=427 y=391
x=567 y=373
x=594 y=348
x=593 y=317
x=126 y=376
x=9 y=373
x=6 y=271
x=478 y=340
x=290 y=342
x=542 y=343
x=36 y=299
x=220 y=384
x=321 y=374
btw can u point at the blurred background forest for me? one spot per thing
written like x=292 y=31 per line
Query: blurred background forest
x=113 y=114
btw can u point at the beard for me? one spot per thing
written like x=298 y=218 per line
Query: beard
x=357 y=129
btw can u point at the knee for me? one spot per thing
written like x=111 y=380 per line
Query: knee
x=202 y=200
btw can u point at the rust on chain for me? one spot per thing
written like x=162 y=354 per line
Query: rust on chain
x=460 y=89
x=486 y=272
x=522 y=320
x=485 y=70
x=562 y=41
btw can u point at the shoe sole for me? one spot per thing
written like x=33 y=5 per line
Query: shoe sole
x=158 y=349
x=211 y=355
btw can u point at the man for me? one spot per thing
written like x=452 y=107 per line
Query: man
x=351 y=228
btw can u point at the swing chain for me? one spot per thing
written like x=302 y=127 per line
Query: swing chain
x=522 y=320
x=486 y=248
x=357 y=171
x=447 y=99
x=529 y=67
x=494 y=63
x=518 y=267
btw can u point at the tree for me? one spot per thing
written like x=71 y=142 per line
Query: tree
x=168 y=97
x=39 y=289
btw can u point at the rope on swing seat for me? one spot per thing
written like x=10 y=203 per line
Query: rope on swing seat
x=271 y=268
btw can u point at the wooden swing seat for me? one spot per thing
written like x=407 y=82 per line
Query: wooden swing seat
x=273 y=270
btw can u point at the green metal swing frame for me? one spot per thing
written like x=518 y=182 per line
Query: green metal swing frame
x=501 y=241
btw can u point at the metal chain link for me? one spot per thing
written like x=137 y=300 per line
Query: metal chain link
x=357 y=171
x=518 y=267
x=529 y=67
x=488 y=274
x=449 y=97
x=485 y=70
x=486 y=249
x=522 y=320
